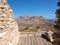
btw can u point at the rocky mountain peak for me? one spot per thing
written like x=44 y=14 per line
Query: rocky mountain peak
x=35 y=21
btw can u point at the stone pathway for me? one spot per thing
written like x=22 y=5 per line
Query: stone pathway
x=30 y=39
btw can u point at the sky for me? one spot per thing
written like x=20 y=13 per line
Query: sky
x=45 y=8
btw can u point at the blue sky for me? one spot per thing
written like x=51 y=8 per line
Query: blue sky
x=45 y=8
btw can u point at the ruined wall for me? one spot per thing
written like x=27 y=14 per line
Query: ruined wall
x=9 y=34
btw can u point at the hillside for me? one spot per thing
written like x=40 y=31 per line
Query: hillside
x=33 y=23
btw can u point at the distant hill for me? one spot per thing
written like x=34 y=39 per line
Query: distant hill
x=34 y=22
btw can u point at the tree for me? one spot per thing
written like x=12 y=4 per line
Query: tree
x=57 y=25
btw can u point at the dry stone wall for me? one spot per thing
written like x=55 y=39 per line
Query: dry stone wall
x=9 y=34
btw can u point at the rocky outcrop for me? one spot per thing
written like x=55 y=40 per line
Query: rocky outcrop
x=9 y=34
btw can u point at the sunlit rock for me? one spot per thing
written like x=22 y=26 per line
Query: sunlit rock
x=9 y=34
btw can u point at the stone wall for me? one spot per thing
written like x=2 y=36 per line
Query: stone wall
x=9 y=34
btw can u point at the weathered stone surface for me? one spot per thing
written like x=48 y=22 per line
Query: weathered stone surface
x=9 y=34
x=29 y=38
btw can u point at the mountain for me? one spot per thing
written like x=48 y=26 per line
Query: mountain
x=34 y=22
